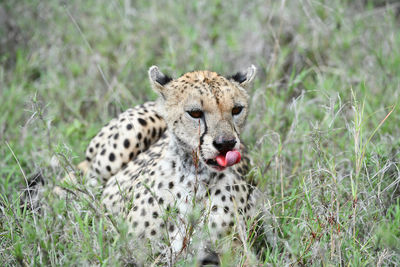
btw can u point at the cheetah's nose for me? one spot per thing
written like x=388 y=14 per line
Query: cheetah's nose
x=224 y=145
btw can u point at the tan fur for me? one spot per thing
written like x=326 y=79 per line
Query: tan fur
x=147 y=171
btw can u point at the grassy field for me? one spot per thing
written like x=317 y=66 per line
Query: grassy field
x=323 y=131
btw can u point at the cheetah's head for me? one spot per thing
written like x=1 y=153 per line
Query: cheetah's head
x=205 y=112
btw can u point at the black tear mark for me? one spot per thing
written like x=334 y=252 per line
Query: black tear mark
x=205 y=131
x=234 y=128
x=202 y=140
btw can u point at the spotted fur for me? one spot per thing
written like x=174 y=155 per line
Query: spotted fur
x=157 y=179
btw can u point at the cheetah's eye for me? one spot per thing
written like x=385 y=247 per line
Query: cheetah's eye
x=236 y=110
x=196 y=113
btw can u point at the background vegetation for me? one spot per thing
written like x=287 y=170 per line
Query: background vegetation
x=324 y=129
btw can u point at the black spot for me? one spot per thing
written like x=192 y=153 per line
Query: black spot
x=129 y=126
x=171 y=185
x=214 y=208
x=160 y=185
x=138 y=195
x=171 y=228
x=153 y=232
x=142 y=122
x=213 y=225
x=146 y=224
x=88 y=159
x=127 y=143
x=160 y=132
x=143 y=213
x=231 y=224
x=181 y=179
x=150 y=200
x=131 y=155
x=223 y=198
x=152 y=173
x=108 y=168
x=178 y=195
x=152 y=119
x=155 y=215
x=226 y=209
x=161 y=201
x=139 y=136
x=134 y=224
x=237 y=187
x=111 y=157
x=91 y=150
x=103 y=152
x=217 y=192
x=116 y=136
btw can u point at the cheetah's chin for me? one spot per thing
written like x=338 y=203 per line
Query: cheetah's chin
x=225 y=160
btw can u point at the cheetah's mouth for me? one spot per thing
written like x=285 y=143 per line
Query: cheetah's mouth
x=225 y=160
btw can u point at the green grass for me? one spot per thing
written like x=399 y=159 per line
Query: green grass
x=323 y=131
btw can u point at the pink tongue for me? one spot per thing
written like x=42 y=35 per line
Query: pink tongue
x=231 y=158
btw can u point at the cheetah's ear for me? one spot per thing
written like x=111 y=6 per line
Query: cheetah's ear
x=158 y=79
x=244 y=78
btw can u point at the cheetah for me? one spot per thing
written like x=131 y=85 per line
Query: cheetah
x=163 y=161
